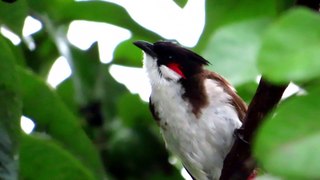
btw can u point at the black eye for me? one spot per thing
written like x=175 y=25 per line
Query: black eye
x=170 y=57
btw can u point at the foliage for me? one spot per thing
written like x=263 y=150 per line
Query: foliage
x=91 y=127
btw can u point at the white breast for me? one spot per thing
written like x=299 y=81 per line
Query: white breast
x=201 y=143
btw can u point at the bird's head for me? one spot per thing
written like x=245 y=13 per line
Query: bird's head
x=166 y=60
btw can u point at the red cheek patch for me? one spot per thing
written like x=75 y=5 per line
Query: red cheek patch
x=176 y=68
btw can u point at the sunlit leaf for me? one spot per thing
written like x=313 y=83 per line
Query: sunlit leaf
x=223 y=12
x=289 y=51
x=288 y=143
x=233 y=49
x=43 y=158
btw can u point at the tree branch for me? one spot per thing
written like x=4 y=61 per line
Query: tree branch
x=239 y=164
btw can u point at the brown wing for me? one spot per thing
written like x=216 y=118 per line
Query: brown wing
x=236 y=100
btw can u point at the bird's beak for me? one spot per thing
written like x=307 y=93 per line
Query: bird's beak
x=146 y=47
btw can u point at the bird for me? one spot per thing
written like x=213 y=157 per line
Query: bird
x=197 y=110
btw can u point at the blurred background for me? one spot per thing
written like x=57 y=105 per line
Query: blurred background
x=73 y=93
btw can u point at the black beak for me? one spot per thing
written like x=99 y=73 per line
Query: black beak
x=146 y=47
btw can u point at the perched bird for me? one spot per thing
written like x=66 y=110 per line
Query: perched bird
x=197 y=110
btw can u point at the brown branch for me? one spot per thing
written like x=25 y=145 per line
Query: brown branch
x=239 y=164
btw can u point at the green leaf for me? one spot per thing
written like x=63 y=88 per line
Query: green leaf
x=64 y=11
x=137 y=144
x=267 y=177
x=10 y=112
x=13 y=15
x=41 y=59
x=233 y=50
x=133 y=111
x=109 y=92
x=181 y=3
x=53 y=117
x=288 y=143
x=127 y=54
x=42 y=158
x=247 y=90
x=66 y=92
x=223 y=12
x=17 y=52
x=290 y=52
x=85 y=66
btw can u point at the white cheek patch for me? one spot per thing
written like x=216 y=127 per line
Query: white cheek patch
x=151 y=68
x=158 y=75
x=149 y=63
x=169 y=74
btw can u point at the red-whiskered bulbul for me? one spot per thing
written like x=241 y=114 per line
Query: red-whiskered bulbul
x=197 y=110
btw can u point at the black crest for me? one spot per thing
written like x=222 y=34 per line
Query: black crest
x=171 y=52
x=172 y=49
